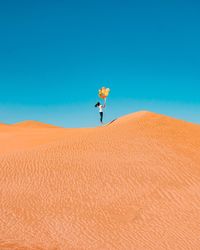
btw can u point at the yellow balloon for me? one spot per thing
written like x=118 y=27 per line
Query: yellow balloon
x=104 y=92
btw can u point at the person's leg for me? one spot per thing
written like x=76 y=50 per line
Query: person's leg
x=101 y=117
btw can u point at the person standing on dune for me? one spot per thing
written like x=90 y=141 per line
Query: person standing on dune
x=101 y=107
x=102 y=93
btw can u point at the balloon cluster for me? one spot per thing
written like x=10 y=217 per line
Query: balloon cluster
x=104 y=92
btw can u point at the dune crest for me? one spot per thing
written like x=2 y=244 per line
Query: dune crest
x=3 y=125
x=33 y=124
x=134 y=184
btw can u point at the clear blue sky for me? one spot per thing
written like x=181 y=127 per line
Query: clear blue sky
x=56 y=54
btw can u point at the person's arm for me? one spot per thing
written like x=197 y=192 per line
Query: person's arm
x=104 y=103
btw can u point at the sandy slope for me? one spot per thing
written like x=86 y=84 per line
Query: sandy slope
x=134 y=184
x=33 y=124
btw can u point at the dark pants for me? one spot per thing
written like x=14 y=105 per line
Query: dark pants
x=101 y=116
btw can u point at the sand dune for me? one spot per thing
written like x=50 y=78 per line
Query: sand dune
x=33 y=124
x=2 y=125
x=134 y=184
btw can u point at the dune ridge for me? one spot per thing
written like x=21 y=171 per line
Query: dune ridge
x=33 y=124
x=134 y=184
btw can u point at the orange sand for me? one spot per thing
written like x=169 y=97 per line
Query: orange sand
x=134 y=184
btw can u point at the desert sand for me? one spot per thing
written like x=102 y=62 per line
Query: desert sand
x=134 y=184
